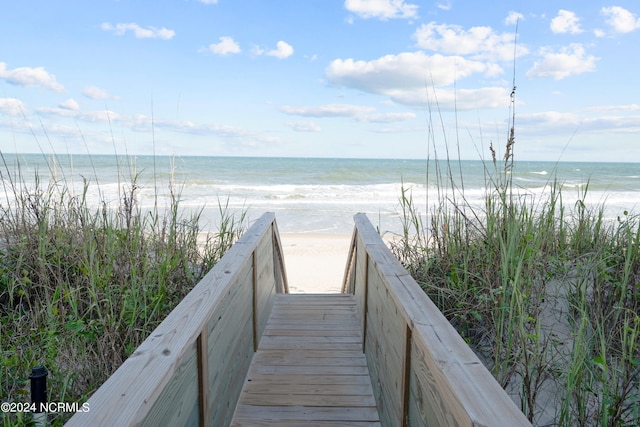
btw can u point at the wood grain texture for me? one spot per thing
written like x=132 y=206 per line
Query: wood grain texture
x=309 y=369
x=230 y=349
x=441 y=381
x=282 y=285
x=158 y=383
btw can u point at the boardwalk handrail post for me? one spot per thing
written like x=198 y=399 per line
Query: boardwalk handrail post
x=38 y=379
x=191 y=368
x=422 y=371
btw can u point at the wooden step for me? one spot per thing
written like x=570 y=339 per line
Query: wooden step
x=309 y=369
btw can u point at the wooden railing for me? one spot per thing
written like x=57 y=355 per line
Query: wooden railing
x=190 y=370
x=422 y=371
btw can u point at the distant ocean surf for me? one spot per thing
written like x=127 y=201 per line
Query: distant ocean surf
x=313 y=195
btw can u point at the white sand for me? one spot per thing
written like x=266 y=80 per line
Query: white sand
x=315 y=263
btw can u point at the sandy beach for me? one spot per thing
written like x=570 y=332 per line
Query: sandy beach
x=315 y=263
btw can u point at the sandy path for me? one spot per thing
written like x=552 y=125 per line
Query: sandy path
x=315 y=263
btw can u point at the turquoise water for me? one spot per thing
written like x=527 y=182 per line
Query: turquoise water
x=321 y=195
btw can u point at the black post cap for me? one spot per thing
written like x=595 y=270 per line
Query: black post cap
x=38 y=378
x=38 y=372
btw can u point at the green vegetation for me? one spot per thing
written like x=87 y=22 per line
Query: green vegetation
x=81 y=287
x=548 y=297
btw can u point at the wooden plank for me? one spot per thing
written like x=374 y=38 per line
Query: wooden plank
x=338 y=308
x=406 y=375
x=446 y=379
x=288 y=360
x=313 y=364
x=309 y=370
x=305 y=378
x=228 y=323
x=337 y=389
x=167 y=357
x=317 y=332
x=306 y=423
x=254 y=295
x=337 y=313
x=326 y=324
x=265 y=280
x=348 y=281
x=178 y=403
x=382 y=381
x=434 y=402
x=319 y=321
x=385 y=333
x=267 y=344
x=307 y=399
x=361 y=285
x=282 y=284
x=309 y=353
x=231 y=350
x=203 y=377
x=308 y=342
x=227 y=390
x=249 y=413
x=311 y=299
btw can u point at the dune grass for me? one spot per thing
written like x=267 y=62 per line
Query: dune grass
x=547 y=295
x=82 y=286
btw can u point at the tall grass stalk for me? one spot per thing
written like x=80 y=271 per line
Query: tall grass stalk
x=547 y=296
x=82 y=286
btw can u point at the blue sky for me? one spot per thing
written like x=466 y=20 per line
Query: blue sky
x=320 y=78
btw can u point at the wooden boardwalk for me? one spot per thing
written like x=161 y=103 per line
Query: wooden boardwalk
x=309 y=368
x=240 y=350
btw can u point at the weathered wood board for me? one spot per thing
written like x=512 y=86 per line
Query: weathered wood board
x=423 y=373
x=191 y=368
x=309 y=369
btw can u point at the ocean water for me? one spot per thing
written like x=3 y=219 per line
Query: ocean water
x=312 y=195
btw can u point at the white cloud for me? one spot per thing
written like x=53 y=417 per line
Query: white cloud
x=283 y=50
x=568 y=61
x=138 y=31
x=11 y=106
x=208 y=1
x=566 y=22
x=478 y=42
x=445 y=5
x=599 y=33
x=330 y=110
x=381 y=9
x=626 y=107
x=95 y=92
x=30 y=77
x=551 y=117
x=69 y=104
x=548 y=121
x=386 y=117
x=620 y=19
x=145 y=123
x=359 y=113
x=409 y=71
x=88 y=116
x=226 y=46
x=554 y=121
x=307 y=126
x=405 y=79
x=513 y=18
x=447 y=99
